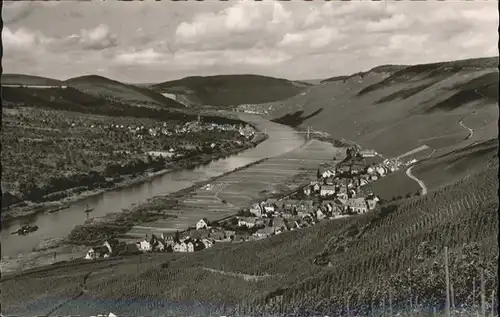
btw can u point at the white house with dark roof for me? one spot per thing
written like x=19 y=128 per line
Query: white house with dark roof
x=358 y=205
x=256 y=210
x=327 y=190
x=202 y=224
x=248 y=222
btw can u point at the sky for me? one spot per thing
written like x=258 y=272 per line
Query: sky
x=159 y=41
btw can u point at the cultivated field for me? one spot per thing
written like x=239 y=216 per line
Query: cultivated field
x=239 y=189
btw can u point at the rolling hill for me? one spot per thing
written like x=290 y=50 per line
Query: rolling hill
x=103 y=87
x=231 y=90
x=29 y=80
x=98 y=95
x=395 y=109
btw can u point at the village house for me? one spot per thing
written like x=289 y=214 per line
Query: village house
x=248 y=222
x=351 y=193
x=304 y=206
x=329 y=181
x=190 y=246
x=327 y=190
x=157 y=245
x=264 y=232
x=256 y=210
x=368 y=153
x=371 y=204
x=307 y=191
x=202 y=224
x=358 y=205
x=269 y=208
x=316 y=187
x=319 y=214
x=103 y=251
x=208 y=243
x=144 y=245
x=381 y=171
x=279 y=224
x=327 y=174
x=180 y=247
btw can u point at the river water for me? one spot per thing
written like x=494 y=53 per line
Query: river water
x=58 y=225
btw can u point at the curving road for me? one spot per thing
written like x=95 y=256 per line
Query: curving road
x=422 y=185
x=471 y=131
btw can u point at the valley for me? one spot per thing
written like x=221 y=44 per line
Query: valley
x=437 y=126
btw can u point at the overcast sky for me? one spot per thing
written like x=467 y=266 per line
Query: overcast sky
x=158 y=41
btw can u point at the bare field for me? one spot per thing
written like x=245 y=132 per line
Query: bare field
x=241 y=188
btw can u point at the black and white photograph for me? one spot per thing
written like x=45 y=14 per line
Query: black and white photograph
x=250 y=158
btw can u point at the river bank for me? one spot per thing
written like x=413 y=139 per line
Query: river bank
x=113 y=225
x=33 y=209
x=38 y=248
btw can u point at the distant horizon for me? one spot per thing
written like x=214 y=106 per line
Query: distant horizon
x=244 y=74
x=163 y=41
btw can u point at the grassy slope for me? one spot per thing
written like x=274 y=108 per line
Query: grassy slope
x=396 y=109
x=20 y=79
x=103 y=87
x=369 y=254
x=230 y=90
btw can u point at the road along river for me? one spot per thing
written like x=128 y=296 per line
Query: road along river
x=58 y=225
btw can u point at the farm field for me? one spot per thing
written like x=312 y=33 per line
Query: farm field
x=239 y=189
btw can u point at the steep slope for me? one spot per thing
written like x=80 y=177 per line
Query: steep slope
x=29 y=80
x=395 y=109
x=102 y=87
x=71 y=99
x=382 y=70
x=231 y=90
x=394 y=252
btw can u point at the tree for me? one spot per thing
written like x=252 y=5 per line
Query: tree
x=318 y=174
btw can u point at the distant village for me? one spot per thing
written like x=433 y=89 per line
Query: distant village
x=337 y=192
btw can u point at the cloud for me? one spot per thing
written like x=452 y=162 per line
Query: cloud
x=143 y=57
x=21 y=39
x=282 y=39
x=242 y=25
x=98 y=38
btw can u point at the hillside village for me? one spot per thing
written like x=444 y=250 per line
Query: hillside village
x=337 y=192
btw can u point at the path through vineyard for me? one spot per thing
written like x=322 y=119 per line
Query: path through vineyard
x=246 y=277
x=422 y=185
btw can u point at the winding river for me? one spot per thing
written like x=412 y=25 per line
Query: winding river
x=58 y=225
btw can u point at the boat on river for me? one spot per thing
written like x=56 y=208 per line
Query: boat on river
x=87 y=210
x=58 y=209
x=24 y=230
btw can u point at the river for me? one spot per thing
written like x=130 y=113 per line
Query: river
x=58 y=225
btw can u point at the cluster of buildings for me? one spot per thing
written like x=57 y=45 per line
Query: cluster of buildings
x=337 y=192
